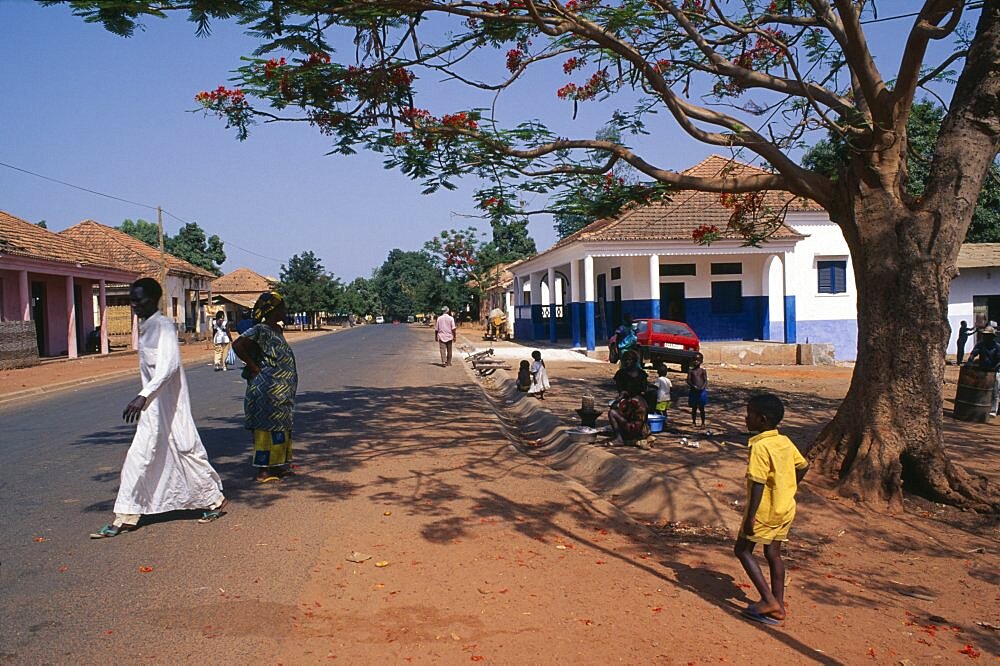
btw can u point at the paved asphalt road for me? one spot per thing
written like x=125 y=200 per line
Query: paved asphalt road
x=68 y=598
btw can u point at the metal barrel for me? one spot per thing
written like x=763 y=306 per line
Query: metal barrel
x=974 y=395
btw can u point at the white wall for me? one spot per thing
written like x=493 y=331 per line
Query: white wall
x=970 y=282
x=823 y=241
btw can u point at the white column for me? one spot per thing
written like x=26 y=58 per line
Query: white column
x=536 y=289
x=197 y=311
x=654 y=277
x=589 y=325
x=654 y=286
x=70 y=318
x=23 y=295
x=135 y=332
x=102 y=304
x=518 y=291
x=574 y=281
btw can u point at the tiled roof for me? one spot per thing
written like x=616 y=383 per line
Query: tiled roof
x=22 y=238
x=979 y=255
x=241 y=281
x=128 y=252
x=498 y=279
x=685 y=211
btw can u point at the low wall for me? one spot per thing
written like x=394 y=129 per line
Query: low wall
x=756 y=353
x=18 y=344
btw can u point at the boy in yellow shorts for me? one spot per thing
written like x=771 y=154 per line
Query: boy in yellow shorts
x=774 y=471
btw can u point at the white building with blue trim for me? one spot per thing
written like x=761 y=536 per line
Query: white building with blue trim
x=796 y=287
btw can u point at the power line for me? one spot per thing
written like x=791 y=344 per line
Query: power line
x=129 y=201
x=77 y=187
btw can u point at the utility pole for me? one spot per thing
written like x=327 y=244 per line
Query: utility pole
x=163 y=262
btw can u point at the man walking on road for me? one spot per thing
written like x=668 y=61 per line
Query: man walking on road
x=166 y=468
x=444 y=333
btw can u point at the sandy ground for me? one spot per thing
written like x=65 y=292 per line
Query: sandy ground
x=919 y=585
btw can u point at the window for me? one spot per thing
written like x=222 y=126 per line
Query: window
x=727 y=297
x=671 y=328
x=616 y=273
x=173 y=302
x=668 y=270
x=832 y=276
x=734 y=268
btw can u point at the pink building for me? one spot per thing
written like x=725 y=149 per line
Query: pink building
x=50 y=279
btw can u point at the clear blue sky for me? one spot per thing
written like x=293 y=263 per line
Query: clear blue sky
x=113 y=115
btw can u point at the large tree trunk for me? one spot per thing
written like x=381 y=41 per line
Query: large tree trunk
x=888 y=432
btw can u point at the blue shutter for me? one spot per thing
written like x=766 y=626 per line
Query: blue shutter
x=832 y=277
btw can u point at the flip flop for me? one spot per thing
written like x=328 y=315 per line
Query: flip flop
x=109 y=531
x=213 y=514
x=757 y=617
x=267 y=479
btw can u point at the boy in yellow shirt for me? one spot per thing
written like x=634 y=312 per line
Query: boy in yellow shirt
x=774 y=471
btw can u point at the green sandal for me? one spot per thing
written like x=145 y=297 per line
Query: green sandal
x=213 y=514
x=109 y=531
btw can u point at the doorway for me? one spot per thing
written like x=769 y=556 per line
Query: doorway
x=672 y=301
x=38 y=314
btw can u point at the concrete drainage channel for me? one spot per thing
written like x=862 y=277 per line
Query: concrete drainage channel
x=641 y=494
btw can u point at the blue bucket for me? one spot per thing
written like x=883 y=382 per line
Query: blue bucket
x=655 y=422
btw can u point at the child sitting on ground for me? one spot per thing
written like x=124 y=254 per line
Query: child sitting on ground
x=774 y=471
x=524 y=377
x=663 y=387
x=697 y=381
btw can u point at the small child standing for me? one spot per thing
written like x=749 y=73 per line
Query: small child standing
x=697 y=381
x=524 y=377
x=774 y=471
x=663 y=387
x=539 y=377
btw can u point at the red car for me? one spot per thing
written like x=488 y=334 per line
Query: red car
x=666 y=341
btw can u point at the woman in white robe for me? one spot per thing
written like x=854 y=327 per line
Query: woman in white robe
x=166 y=468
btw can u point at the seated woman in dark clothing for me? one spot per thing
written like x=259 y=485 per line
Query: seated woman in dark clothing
x=627 y=414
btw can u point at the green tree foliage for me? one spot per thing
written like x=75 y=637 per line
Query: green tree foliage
x=360 y=297
x=42 y=224
x=830 y=157
x=308 y=287
x=147 y=232
x=190 y=243
x=410 y=282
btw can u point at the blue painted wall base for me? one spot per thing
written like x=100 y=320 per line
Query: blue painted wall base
x=574 y=319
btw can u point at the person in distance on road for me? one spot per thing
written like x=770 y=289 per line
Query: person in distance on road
x=272 y=380
x=444 y=333
x=166 y=468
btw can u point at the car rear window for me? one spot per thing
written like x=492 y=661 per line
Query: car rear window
x=671 y=328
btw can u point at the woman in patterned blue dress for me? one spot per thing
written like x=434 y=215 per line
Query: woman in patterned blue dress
x=271 y=383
